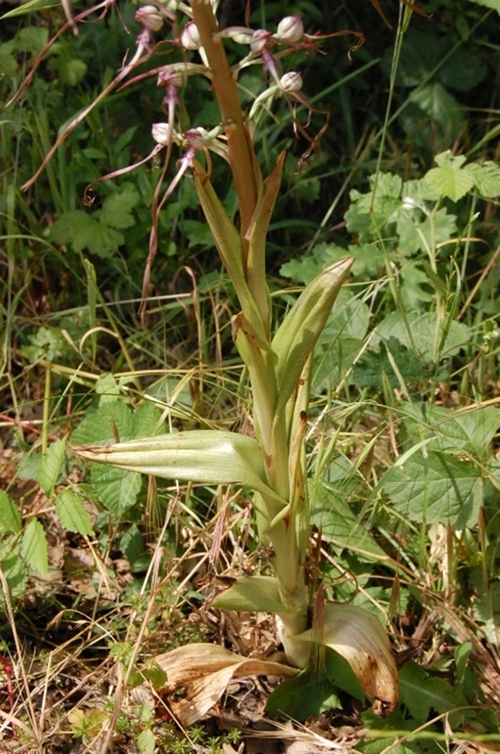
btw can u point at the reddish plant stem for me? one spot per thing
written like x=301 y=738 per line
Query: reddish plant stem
x=241 y=154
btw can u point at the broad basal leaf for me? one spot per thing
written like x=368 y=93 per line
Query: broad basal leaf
x=203 y=672
x=251 y=593
x=358 y=636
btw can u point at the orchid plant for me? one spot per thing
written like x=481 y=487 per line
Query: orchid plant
x=271 y=464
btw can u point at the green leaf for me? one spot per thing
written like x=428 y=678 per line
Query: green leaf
x=435 y=488
x=30 y=6
x=14 y=570
x=440 y=107
x=341 y=675
x=34 y=547
x=116 y=211
x=453 y=431
x=132 y=544
x=51 y=466
x=251 y=593
x=10 y=520
x=202 y=456
x=71 y=72
x=229 y=245
x=486 y=178
x=302 y=326
x=72 y=514
x=146 y=742
x=118 y=490
x=494 y=4
x=422 y=334
x=422 y=693
x=339 y=524
x=101 y=425
x=83 y=230
x=300 y=697
x=449 y=179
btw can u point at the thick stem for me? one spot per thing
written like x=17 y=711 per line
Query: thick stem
x=241 y=155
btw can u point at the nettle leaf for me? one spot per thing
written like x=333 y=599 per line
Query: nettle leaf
x=34 y=547
x=339 y=524
x=117 y=208
x=84 y=231
x=118 y=490
x=132 y=544
x=422 y=693
x=10 y=520
x=72 y=514
x=51 y=466
x=449 y=179
x=370 y=369
x=435 y=488
x=453 y=431
x=440 y=107
x=422 y=335
x=101 y=426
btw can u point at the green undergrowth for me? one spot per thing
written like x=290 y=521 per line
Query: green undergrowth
x=103 y=569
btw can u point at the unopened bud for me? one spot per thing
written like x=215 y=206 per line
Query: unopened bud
x=291 y=82
x=290 y=29
x=190 y=37
x=170 y=78
x=259 y=40
x=163 y=133
x=150 y=17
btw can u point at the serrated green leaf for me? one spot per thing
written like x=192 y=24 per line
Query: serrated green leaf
x=51 y=466
x=449 y=182
x=340 y=526
x=101 y=425
x=422 y=693
x=71 y=72
x=146 y=742
x=132 y=544
x=34 y=547
x=72 y=514
x=116 y=211
x=422 y=336
x=486 y=178
x=117 y=489
x=14 y=570
x=10 y=520
x=435 y=488
x=251 y=593
x=453 y=431
x=83 y=231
